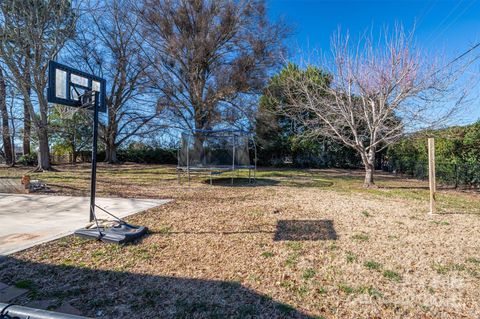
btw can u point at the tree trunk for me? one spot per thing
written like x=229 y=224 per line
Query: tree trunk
x=73 y=154
x=44 y=163
x=27 y=128
x=74 y=157
x=6 y=136
x=43 y=150
x=111 y=153
x=27 y=117
x=199 y=151
x=111 y=134
x=369 y=170
x=369 y=162
x=199 y=139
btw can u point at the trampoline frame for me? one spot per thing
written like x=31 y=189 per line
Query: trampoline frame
x=219 y=169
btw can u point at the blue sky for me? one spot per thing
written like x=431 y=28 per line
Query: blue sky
x=448 y=26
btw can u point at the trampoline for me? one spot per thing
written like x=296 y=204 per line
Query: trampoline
x=215 y=152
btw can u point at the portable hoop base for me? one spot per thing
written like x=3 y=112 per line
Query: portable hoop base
x=70 y=87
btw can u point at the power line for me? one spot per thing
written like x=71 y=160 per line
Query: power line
x=458 y=58
x=454 y=20
x=463 y=54
x=425 y=12
x=440 y=25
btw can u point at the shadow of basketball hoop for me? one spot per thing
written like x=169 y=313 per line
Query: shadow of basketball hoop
x=305 y=230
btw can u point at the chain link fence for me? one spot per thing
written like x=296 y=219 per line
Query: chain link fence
x=464 y=175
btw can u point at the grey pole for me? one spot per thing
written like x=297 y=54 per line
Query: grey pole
x=93 y=182
x=20 y=312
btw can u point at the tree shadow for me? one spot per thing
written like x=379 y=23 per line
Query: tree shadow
x=288 y=181
x=439 y=187
x=241 y=182
x=305 y=230
x=124 y=294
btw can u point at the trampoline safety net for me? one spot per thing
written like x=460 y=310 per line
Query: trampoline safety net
x=214 y=150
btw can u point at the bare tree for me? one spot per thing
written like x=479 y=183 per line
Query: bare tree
x=6 y=134
x=27 y=121
x=379 y=91
x=109 y=45
x=32 y=32
x=15 y=116
x=209 y=58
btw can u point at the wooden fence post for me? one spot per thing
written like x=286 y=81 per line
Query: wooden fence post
x=431 y=174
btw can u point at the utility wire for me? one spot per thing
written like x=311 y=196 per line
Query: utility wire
x=440 y=25
x=453 y=21
x=463 y=54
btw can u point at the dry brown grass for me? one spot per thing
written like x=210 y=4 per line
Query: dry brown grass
x=301 y=244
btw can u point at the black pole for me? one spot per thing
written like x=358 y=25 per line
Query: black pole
x=93 y=184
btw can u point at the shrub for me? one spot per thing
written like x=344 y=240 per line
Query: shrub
x=28 y=159
x=457 y=155
x=148 y=155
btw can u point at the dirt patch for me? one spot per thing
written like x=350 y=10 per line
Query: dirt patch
x=17 y=238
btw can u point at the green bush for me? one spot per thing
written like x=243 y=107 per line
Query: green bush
x=457 y=155
x=28 y=159
x=148 y=155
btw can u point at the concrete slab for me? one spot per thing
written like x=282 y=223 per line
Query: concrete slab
x=28 y=220
x=12 y=186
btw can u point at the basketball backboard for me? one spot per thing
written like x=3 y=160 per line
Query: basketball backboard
x=66 y=85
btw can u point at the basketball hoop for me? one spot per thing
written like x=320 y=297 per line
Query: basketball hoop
x=87 y=99
x=70 y=87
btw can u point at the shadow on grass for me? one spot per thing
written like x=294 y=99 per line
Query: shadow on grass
x=241 y=182
x=416 y=187
x=265 y=181
x=122 y=294
x=286 y=230
x=305 y=230
x=446 y=212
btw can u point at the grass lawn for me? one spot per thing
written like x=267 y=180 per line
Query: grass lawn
x=298 y=244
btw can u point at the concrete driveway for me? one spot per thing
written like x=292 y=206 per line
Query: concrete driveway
x=28 y=220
